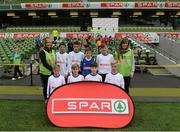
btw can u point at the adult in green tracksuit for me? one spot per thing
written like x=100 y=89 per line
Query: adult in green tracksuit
x=126 y=65
x=46 y=63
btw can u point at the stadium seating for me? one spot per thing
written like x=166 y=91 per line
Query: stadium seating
x=43 y=29
x=7 y=46
x=27 y=46
x=145 y=29
x=78 y=29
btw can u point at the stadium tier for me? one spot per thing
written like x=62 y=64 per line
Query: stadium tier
x=145 y=29
x=7 y=46
x=27 y=48
x=78 y=29
x=43 y=29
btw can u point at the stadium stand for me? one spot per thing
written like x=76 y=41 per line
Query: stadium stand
x=145 y=29
x=78 y=29
x=43 y=29
x=65 y=22
x=31 y=1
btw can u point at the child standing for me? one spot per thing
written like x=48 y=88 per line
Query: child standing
x=75 y=77
x=16 y=61
x=55 y=80
x=86 y=62
x=93 y=76
x=114 y=77
x=75 y=56
x=62 y=59
x=104 y=61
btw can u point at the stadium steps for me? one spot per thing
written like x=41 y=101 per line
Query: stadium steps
x=162 y=52
x=159 y=71
x=157 y=50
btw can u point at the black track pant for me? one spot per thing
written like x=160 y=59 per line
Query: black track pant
x=127 y=81
x=17 y=71
x=44 y=79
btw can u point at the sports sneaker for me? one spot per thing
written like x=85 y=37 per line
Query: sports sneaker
x=13 y=78
x=20 y=77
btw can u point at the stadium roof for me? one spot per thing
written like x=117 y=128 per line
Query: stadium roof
x=41 y=1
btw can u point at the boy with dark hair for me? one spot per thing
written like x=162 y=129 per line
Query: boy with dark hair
x=62 y=59
x=75 y=56
x=93 y=76
x=86 y=62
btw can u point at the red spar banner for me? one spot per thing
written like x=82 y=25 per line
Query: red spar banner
x=73 y=5
x=92 y=104
x=172 y=4
x=112 y=4
x=146 y=4
x=36 y=5
x=169 y=34
x=148 y=37
x=78 y=35
x=25 y=35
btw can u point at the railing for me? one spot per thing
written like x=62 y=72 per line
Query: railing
x=164 y=53
x=158 y=50
x=22 y=65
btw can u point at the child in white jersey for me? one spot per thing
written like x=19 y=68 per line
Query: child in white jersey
x=114 y=77
x=104 y=61
x=75 y=77
x=55 y=80
x=93 y=76
x=75 y=56
x=62 y=59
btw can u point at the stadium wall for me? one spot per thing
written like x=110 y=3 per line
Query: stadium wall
x=172 y=48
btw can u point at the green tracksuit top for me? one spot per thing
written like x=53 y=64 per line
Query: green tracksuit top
x=16 y=58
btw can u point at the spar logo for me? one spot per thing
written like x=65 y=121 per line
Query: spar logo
x=90 y=104
x=94 y=106
x=120 y=106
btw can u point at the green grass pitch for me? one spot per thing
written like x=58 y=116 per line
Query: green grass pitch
x=29 y=115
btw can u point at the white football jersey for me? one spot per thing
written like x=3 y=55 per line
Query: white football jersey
x=104 y=63
x=72 y=78
x=53 y=83
x=91 y=77
x=116 y=79
x=62 y=61
x=73 y=58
